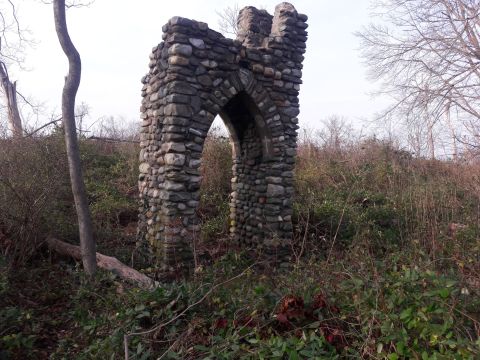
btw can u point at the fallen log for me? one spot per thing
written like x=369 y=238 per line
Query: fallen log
x=104 y=262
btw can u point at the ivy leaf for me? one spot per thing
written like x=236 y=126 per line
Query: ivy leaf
x=444 y=293
x=405 y=314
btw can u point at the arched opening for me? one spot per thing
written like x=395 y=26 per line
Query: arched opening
x=215 y=188
x=247 y=128
x=235 y=207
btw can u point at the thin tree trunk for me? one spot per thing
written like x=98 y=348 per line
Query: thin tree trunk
x=72 y=82
x=431 y=141
x=452 y=131
x=10 y=90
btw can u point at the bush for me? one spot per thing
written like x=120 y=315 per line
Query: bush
x=379 y=196
x=412 y=313
x=35 y=196
x=36 y=199
x=380 y=277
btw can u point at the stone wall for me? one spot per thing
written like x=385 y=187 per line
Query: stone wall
x=252 y=83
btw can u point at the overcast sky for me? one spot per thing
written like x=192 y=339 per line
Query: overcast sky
x=114 y=39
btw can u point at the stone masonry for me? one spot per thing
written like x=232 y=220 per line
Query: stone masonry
x=253 y=84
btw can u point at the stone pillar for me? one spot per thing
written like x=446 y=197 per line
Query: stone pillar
x=253 y=83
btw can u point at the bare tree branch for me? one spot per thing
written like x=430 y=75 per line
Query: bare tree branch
x=228 y=20
x=427 y=59
x=43 y=127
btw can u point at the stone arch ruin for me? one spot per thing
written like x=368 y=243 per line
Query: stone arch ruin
x=253 y=84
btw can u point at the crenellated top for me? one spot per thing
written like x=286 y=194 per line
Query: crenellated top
x=285 y=29
x=289 y=27
x=272 y=47
x=253 y=26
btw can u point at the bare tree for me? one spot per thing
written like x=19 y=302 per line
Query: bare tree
x=12 y=42
x=10 y=92
x=427 y=57
x=72 y=82
x=228 y=20
x=336 y=133
x=453 y=131
x=81 y=112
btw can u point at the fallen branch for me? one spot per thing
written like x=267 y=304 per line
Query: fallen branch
x=104 y=262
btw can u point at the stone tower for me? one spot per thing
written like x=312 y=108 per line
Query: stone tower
x=253 y=84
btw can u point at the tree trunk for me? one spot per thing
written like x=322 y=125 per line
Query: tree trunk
x=452 y=131
x=10 y=90
x=104 y=262
x=431 y=141
x=72 y=82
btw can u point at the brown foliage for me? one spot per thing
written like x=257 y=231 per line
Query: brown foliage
x=32 y=175
x=216 y=169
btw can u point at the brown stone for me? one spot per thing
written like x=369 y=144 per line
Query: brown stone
x=178 y=60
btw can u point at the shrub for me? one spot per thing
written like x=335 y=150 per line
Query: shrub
x=35 y=197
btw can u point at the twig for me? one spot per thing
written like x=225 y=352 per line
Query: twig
x=336 y=233
x=302 y=248
x=340 y=221
x=168 y=350
x=27 y=101
x=43 y=126
x=162 y=325
x=125 y=345
x=304 y=239
x=106 y=139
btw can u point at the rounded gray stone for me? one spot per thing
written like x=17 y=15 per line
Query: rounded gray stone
x=198 y=43
x=275 y=190
x=174 y=159
x=180 y=49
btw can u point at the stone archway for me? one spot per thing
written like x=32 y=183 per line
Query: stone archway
x=253 y=84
